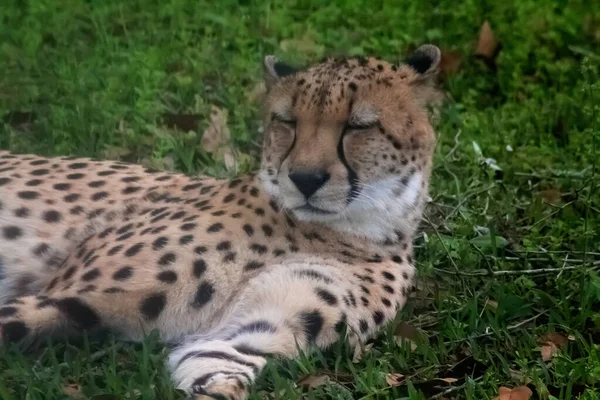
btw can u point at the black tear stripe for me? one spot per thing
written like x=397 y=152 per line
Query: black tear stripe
x=82 y=315
x=221 y=355
x=352 y=176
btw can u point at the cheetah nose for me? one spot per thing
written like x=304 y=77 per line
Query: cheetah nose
x=308 y=182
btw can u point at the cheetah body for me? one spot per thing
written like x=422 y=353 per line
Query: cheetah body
x=232 y=270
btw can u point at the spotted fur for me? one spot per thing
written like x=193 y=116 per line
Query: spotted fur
x=230 y=272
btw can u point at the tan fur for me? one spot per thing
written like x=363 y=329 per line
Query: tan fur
x=229 y=270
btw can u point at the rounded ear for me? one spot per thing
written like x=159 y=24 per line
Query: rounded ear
x=275 y=70
x=425 y=60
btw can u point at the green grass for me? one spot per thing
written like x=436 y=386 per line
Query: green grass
x=95 y=78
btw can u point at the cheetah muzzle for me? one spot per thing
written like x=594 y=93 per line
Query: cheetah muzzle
x=317 y=243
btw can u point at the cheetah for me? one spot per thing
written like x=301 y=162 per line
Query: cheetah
x=315 y=246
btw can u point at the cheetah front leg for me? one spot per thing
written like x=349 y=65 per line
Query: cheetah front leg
x=292 y=307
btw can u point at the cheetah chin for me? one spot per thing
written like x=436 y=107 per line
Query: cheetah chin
x=319 y=242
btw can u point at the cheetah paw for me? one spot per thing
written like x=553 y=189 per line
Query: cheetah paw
x=226 y=388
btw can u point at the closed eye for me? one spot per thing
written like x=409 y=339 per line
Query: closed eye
x=361 y=125
x=284 y=120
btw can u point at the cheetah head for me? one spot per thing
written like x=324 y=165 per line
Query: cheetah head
x=348 y=142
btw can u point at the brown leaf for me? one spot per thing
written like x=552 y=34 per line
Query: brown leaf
x=487 y=45
x=450 y=63
x=552 y=342
x=73 y=390
x=448 y=380
x=552 y=196
x=394 y=379
x=406 y=333
x=518 y=393
x=313 y=381
x=217 y=134
x=182 y=122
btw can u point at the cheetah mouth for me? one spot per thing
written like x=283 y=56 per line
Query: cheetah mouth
x=313 y=209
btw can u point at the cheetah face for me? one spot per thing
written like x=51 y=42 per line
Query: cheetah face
x=346 y=138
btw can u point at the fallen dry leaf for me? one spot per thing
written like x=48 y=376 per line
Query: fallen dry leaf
x=487 y=45
x=313 y=381
x=394 y=379
x=217 y=134
x=407 y=334
x=448 y=380
x=216 y=138
x=73 y=390
x=551 y=344
x=552 y=196
x=518 y=393
x=450 y=63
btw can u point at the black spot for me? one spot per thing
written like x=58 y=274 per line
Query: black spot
x=203 y=295
x=234 y=183
x=386 y=302
x=352 y=86
x=124 y=229
x=129 y=179
x=45 y=303
x=41 y=249
x=378 y=317
x=192 y=186
x=133 y=250
x=278 y=252
x=123 y=274
x=365 y=301
x=113 y=290
x=177 y=215
x=75 y=176
x=39 y=172
x=186 y=239
x=326 y=296
x=199 y=267
x=91 y=275
x=252 y=265
x=22 y=212
x=96 y=184
x=388 y=289
x=341 y=324
x=28 y=195
x=62 y=186
x=229 y=257
x=39 y=162
x=33 y=182
x=77 y=210
x=81 y=314
x=166 y=259
x=267 y=230
x=131 y=189
x=125 y=236
x=405 y=275
x=51 y=216
x=229 y=198
x=397 y=259
x=388 y=276
x=200 y=250
x=4 y=181
x=167 y=277
x=215 y=227
x=248 y=229
x=14 y=331
x=313 y=323
x=99 y=196
x=7 y=311
x=69 y=273
x=224 y=246
x=159 y=243
x=153 y=305
x=254 y=192
x=78 y=165
x=12 y=232
x=187 y=227
x=71 y=198
x=364 y=326
x=258 y=248
x=260 y=212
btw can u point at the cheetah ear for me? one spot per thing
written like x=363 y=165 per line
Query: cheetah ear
x=425 y=60
x=275 y=70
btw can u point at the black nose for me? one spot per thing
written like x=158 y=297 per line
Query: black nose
x=308 y=182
